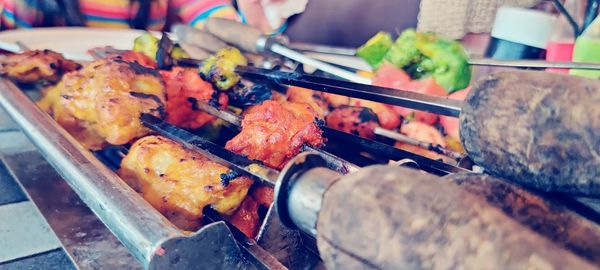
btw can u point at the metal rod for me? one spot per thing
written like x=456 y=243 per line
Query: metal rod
x=391 y=153
x=225 y=115
x=532 y=64
x=133 y=221
x=307 y=47
x=296 y=56
x=434 y=104
x=427 y=146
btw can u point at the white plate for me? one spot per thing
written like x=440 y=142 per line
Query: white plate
x=73 y=42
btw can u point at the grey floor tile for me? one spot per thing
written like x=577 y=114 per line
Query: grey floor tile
x=51 y=260
x=10 y=191
x=12 y=142
x=24 y=231
x=5 y=121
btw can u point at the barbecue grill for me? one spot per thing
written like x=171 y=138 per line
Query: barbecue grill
x=287 y=234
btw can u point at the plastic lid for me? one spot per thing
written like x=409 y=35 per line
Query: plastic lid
x=524 y=26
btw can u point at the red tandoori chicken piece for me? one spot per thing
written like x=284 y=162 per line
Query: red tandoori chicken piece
x=246 y=218
x=184 y=88
x=273 y=132
x=359 y=121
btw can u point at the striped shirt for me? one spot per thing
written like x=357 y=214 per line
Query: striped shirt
x=118 y=13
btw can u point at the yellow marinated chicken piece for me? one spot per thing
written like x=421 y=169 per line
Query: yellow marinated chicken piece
x=101 y=103
x=179 y=182
x=36 y=66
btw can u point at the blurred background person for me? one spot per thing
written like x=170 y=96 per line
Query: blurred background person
x=140 y=14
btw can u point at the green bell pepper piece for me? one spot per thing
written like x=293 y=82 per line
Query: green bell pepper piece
x=375 y=49
x=446 y=60
x=179 y=53
x=403 y=52
x=146 y=44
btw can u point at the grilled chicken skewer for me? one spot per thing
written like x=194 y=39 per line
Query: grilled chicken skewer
x=534 y=170
x=562 y=122
x=428 y=146
x=179 y=183
x=237 y=121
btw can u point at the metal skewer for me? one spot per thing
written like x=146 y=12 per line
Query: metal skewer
x=473 y=61
x=531 y=64
x=212 y=151
x=428 y=146
x=341 y=165
x=388 y=151
x=434 y=104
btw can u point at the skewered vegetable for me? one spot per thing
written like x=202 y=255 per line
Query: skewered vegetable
x=445 y=60
x=247 y=93
x=220 y=68
x=146 y=44
x=422 y=55
x=375 y=49
x=162 y=50
x=404 y=52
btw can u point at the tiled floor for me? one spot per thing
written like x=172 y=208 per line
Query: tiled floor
x=53 y=259
x=26 y=240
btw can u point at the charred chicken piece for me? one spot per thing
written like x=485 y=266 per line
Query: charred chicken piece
x=313 y=98
x=359 y=121
x=247 y=218
x=36 y=66
x=321 y=102
x=101 y=103
x=184 y=88
x=334 y=100
x=246 y=93
x=425 y=133
x=138 y=57
x=273 y=132
x=179 y=182
x=388 y=118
